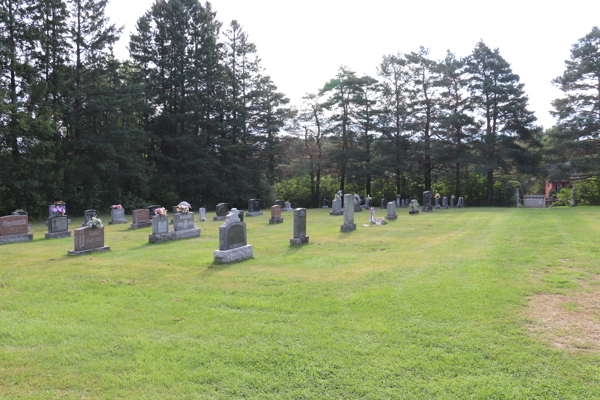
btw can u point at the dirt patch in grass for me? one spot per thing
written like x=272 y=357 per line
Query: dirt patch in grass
x=568 y=322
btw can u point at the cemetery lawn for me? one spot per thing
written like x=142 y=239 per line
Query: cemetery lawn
x=433 y=306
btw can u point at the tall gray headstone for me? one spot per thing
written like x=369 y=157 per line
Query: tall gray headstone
x=391 y=210
x=573 y=196
x=117 y=216
x=349 y=224
x=518 y=198
x=383 y=204
x=202 y=211
x=427 y=201
x=299 y=228
x=437 y=203
x=445 y=203
x=336 y=207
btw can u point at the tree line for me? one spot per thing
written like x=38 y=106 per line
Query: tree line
x=192 y=115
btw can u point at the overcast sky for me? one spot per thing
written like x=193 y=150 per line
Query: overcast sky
x=303 y=43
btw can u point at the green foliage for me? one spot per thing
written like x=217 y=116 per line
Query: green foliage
x=588 y=191
x=563 y=197
x=297 y=190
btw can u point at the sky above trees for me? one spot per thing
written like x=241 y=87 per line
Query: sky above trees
x=302 y=44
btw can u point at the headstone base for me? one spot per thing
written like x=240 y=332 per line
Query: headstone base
x=391 y=217
x=275 y=221
x=233 y=255
x=123 y=221
x=299 y=241
x=58 y=235
x=445 y=208
x=427 y=209
x=254 y=214
x=438 y=207
x=413 y=212
x=140 y=225
x=325 y=206
x=347 y=228
x=84 y=252
x=24 y=237
x=174 y=235
x=341 y=212
x=46 y=222
x=220 y=218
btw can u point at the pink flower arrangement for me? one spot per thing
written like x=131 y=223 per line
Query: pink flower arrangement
x=116 y=206
x=160 y=211
x=57 y=209
x=184 y=207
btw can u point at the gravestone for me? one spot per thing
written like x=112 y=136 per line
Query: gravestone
x=573 y=195
x=233 y=240
x=383 y=204
x=53 y=214
x=202 y=211
x=369 y=202
x=280 y=203
x=413 y=207
x=141 y=218
x=398 y=200
x=58 y=228
x=325 y=203
x=88 y=240
x=452 y=201
x=357 y=205
x=14 y=228
x=240 y=214
x=254 y=208
x=288 y=206
x=518 y=198
x=336 y=207
x=88 y=215
x=183 y=228
x=299 y=228
x=391 y=210
x=275 y=215
x=118 y=216
x=20 y=213
x=445 y=203
x=152 y=210
x=222 y=210
x=437 y=203
x=427 y=201
x=461 y=202
x=349 y=224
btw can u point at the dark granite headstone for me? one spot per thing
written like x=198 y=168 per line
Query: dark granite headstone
x=325 y=203
x=253 y=205
x=299 y=228
x=232 y=235
x=445 y=203
x=427 y=201
x=58 y=224
x=437 y=203
x=222 y=209
x=152 y=210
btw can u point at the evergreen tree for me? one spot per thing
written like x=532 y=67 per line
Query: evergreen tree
x=499 y=99
x=575 y=138
x=365 y=99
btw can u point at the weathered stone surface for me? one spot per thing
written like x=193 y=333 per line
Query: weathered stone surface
x=573 y=196
x=87 y=238
x=383 y=204
x=336 y=206
x=182 y=222
x=202 y=211
x=349 y=224
x=275 y=215
x=357 y=205
x=13 y=225
x=518 y=198
x=437 y=203
x=173 y=235
x=232 y=235
x=142 y=215
x=299 y=223
x=254 y=208
x=451 y=201
x=461 y=202
x=299 y=241
x=88 y=215
x=117 y=216
x=25 y=237
x=445 y=203
x=391 y=210
x=222 y=209
x=233 y=255
x=241 y=215
x=288 y=206
x=427 y=201
x=58 y=224
x=57 y=235
x=160 y=224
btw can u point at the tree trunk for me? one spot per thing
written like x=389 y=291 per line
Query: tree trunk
x=490 y=186
x=457 y=180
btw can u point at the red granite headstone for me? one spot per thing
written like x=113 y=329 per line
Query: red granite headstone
x=13 y=225
x=87 y=238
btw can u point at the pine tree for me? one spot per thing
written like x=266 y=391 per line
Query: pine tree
x=499 y=98
x=575 y=139
x=365 y=100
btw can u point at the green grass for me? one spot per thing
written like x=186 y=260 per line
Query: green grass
x=427 y=307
